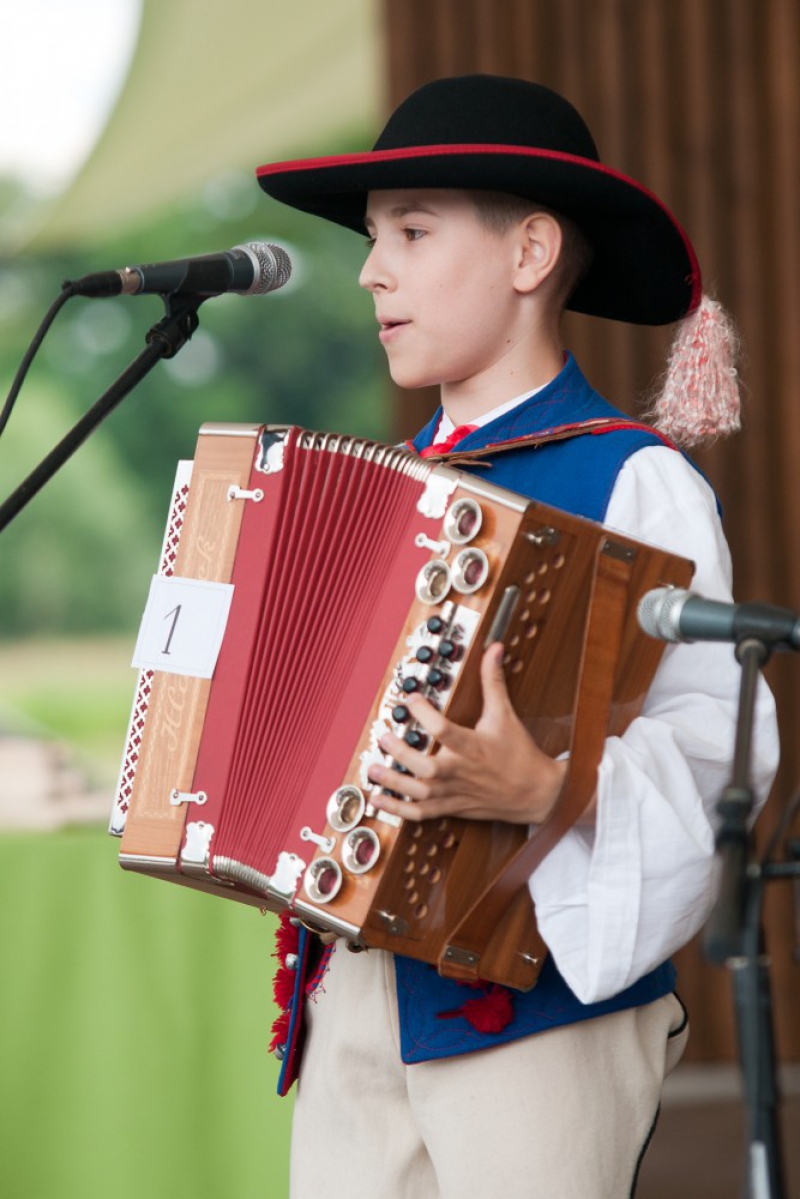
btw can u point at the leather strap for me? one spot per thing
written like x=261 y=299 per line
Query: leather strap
x=599 y=425
x=594 y=694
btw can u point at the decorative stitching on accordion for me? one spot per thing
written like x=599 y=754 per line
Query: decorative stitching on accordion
x=144 y=685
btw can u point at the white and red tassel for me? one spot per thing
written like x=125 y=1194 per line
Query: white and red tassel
x=699 y=398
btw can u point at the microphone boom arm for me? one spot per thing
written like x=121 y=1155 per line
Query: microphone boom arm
x=163 y=340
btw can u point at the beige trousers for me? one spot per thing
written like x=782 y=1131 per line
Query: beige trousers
x=563 y=1114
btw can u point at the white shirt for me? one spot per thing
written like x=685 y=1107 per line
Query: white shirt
x=615 y=900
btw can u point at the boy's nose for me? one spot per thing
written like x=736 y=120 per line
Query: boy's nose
x=374 y=275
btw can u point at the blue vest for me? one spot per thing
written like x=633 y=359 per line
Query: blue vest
x=578 y=476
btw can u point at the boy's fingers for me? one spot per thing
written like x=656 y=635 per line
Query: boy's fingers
x=405 y=785
x=493 y=679
x=438 y=727
x=399 y=807
x=420 y=764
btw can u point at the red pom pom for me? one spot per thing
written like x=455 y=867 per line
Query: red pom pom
x=287 y=935
x=283 y=986
x=287 y=941
x=490 y=1013
x=280 y=1031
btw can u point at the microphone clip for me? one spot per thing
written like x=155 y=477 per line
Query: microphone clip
x=176 y=327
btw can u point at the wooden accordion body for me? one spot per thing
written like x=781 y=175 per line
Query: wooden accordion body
x=360 y=571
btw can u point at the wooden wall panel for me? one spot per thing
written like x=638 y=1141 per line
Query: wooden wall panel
x=699 y=100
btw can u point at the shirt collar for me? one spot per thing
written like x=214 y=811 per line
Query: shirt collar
x=446 y=426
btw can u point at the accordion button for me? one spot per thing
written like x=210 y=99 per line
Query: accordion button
x=424 y=654
x=323 y=880
x=326 y=881
x=415 y=739
x=436 y=677
x=434 y=624
x=449 y=650
x=364 y=853
x=410 y=685
x=400 y=714
x=345 y=808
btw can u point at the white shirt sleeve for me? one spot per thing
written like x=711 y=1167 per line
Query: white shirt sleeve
x=615 y=900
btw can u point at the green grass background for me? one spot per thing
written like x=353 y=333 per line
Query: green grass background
x=135 y=1019
x=77 y=691
x=134 y=1015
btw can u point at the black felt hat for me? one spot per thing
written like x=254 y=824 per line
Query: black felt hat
x=493 y=133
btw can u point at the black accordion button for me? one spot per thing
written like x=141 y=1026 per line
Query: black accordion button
x=449 y=650
x=415 y=739
x=436 y=677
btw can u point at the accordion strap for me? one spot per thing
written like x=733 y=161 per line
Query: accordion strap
x=596 y=426
x=594 y=692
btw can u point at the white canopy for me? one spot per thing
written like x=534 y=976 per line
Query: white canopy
x=220 y=87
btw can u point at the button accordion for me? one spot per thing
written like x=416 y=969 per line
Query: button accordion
x=358 y=574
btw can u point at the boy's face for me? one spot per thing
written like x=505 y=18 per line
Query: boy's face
x=443 y=289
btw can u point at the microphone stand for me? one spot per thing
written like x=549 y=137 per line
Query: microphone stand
x=734 y=937
x=163 y=340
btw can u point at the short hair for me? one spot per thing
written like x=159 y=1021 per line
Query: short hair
x=499 y=211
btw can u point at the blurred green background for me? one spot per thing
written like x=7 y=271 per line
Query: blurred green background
x=135 y=1016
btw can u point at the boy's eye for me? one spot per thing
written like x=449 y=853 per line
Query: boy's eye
x=413 y=234
x=369 y=242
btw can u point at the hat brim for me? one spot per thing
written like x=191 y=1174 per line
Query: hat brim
x=644 y=269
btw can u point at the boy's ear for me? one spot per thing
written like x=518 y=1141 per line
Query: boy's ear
x=539 y=247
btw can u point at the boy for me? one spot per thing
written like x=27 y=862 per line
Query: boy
x=488 y=212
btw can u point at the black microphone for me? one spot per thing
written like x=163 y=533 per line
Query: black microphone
x=253 y=269
x=671 y=614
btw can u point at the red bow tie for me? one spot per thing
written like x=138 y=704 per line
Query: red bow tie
x=444 y=447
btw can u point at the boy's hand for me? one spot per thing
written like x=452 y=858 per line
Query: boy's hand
x=495 y=771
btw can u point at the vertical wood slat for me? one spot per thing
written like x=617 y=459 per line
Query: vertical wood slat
x=699 y=100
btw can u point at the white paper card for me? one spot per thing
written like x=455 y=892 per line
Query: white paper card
x=183 y=625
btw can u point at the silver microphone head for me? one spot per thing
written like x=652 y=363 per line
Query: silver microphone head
x=659 y=612
x=272 y=266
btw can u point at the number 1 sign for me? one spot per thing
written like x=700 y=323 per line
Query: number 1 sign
x=183 y=625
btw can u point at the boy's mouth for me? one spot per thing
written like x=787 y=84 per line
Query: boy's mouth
x=389 y=327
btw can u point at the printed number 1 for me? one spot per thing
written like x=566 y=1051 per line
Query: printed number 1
x=175 y=613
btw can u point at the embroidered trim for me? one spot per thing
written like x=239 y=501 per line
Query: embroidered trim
x=314 y=987
x=291 y=987
x=287 y=941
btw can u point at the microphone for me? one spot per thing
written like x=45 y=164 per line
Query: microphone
x=671 y=614
x=253 y=269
